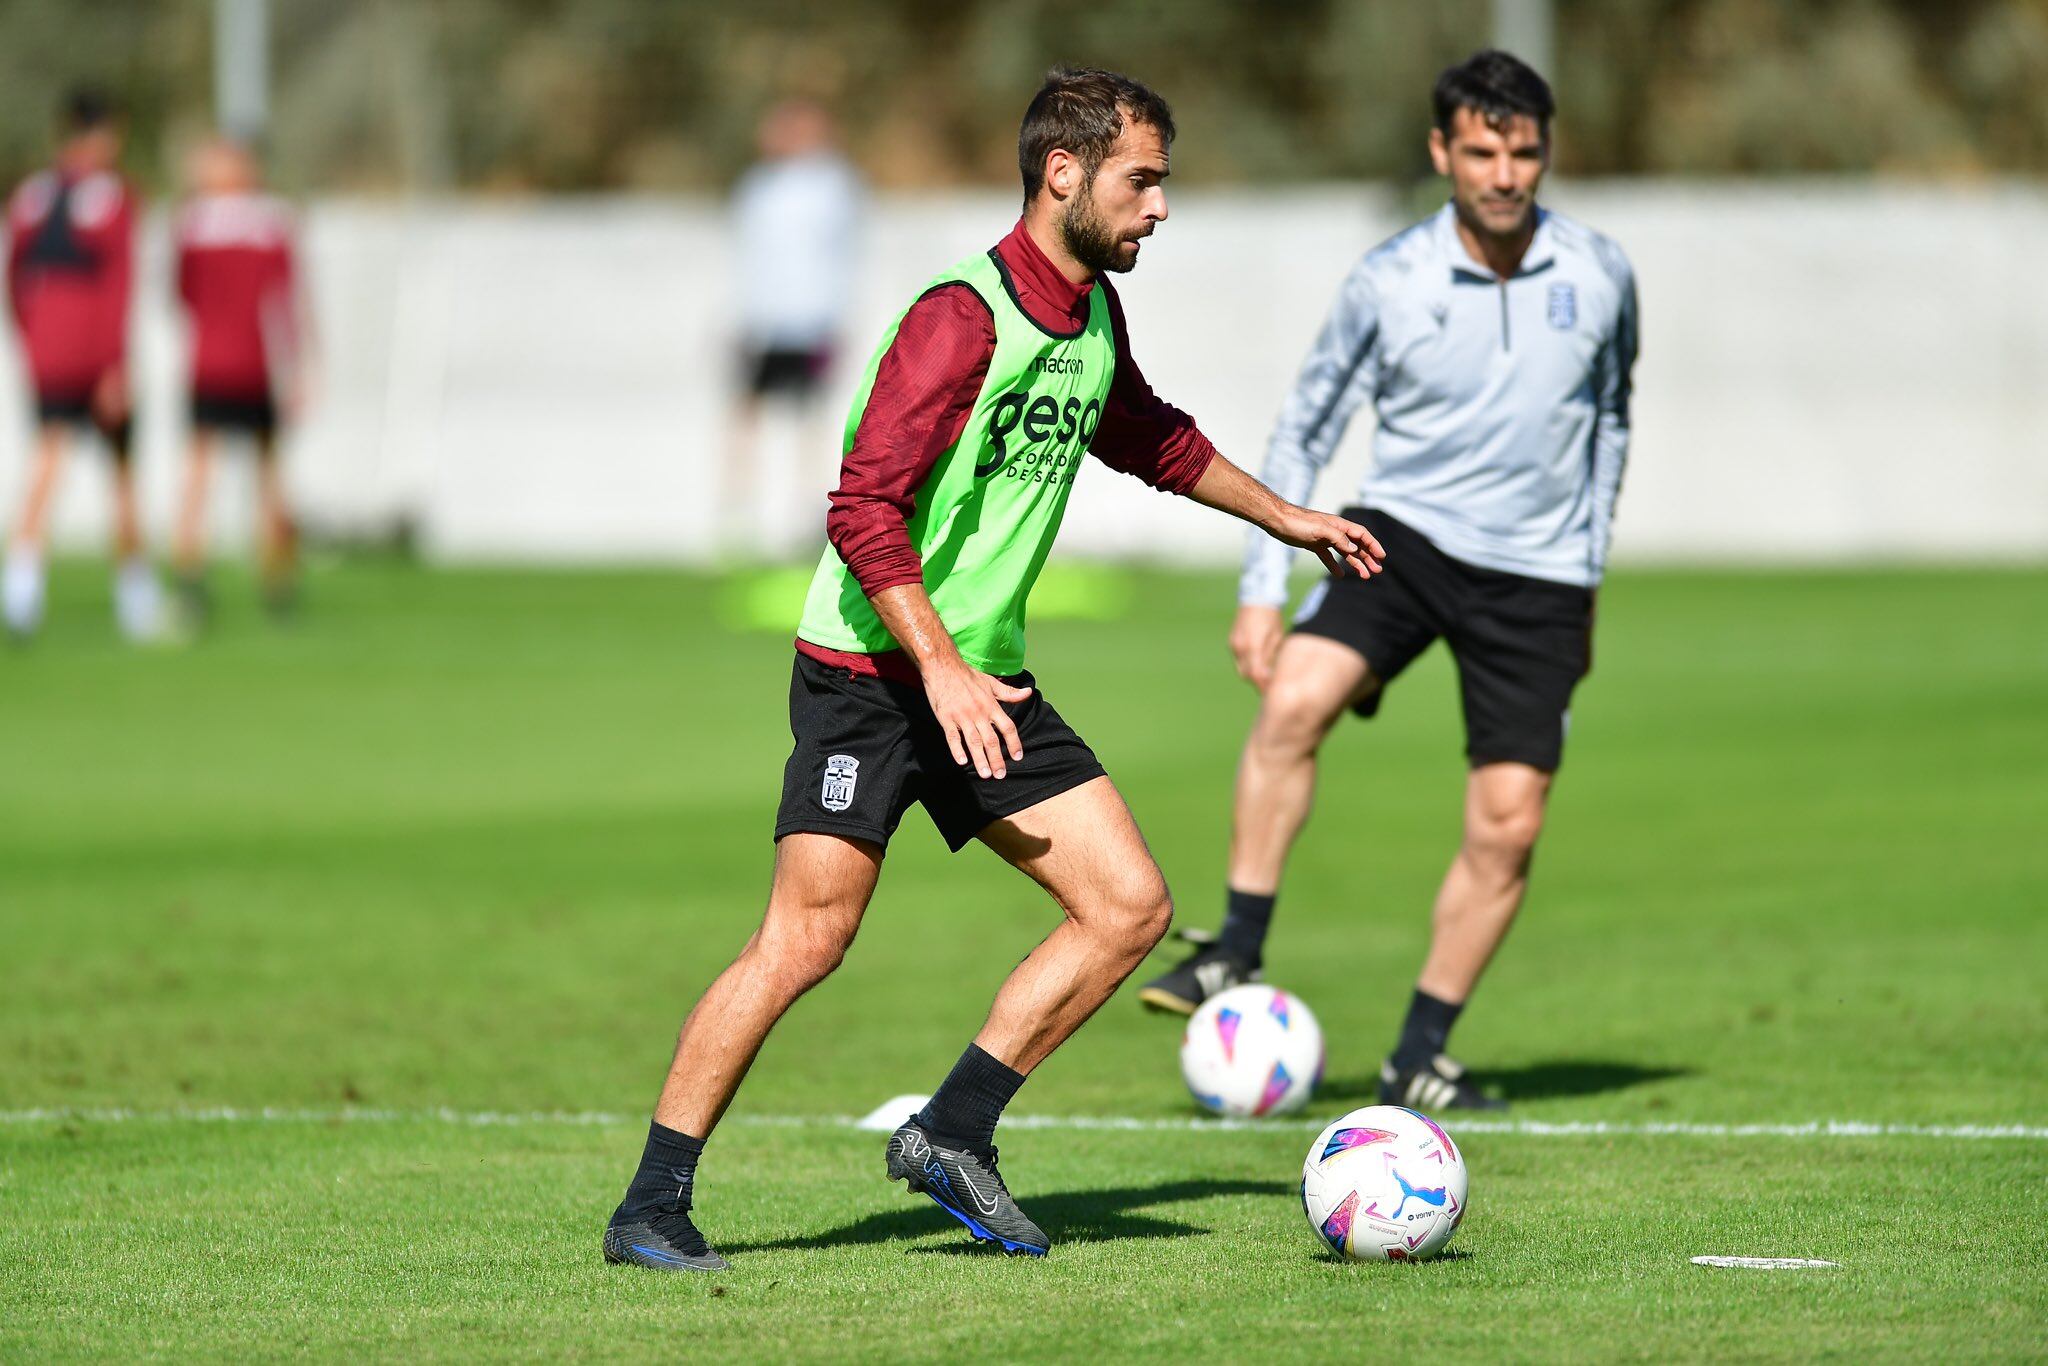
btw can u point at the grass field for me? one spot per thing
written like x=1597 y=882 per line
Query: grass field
x=475 y=840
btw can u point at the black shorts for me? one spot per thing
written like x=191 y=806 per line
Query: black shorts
x=1521 y=644
x=781 y=370
x=866 y=748
x=76 y=410
x=257 y=416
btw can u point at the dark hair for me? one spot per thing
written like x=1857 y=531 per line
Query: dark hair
x=1495 y=85
x=85 y=108
x=1083 y=111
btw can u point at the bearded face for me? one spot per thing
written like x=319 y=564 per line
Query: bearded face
x=1089 y=237
x=1119 y=205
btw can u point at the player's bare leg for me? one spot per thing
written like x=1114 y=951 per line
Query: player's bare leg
x=1083 y=847
x=127 y=513
x=138 y=600
x=1483 y=890
x=737 y=479
x=188 y=542
x=814 y=472
x=32 y=525
x=1477 y=903
x=821 y=888
x=24 y=586
x=188 y=538
x=277 y=534
x=1314 y=679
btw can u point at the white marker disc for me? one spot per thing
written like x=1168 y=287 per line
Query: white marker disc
x=890 y=1114
x=1763 y=1263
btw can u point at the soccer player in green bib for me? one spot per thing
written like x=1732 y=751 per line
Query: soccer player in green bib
x=909 y=684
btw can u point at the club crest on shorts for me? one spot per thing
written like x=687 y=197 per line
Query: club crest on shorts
x=1564 y=307
x=842 y=772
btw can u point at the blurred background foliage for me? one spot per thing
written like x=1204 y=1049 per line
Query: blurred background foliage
x=516 y=96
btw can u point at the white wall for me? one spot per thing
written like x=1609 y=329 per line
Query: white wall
x=1829 y=372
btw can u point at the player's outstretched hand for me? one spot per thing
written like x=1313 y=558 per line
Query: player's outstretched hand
x=1255 y=641
x=968 y=705
x=1338 y=543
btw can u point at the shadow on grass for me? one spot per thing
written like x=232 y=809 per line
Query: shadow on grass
x=1535 y=1081
x=1091 y=1216
x=1453 y=1254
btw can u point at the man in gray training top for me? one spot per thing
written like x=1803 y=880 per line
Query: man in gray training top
x=1494 y=340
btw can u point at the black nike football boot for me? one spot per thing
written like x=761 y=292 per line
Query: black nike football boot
x=965 y=1184
x=663 y=1240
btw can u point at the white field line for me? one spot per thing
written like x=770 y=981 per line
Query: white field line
x=1520 y=1128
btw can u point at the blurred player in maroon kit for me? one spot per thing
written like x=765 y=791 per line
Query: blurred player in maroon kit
x=237 y=280
x=70 y=264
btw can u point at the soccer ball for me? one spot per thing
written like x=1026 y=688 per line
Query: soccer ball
x=1384 y=1184
x=1252 y=1050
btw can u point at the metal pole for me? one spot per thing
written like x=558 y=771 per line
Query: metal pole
x=241 y=67
x=1526 y=28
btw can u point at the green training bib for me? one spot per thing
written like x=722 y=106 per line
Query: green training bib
x=986 y=515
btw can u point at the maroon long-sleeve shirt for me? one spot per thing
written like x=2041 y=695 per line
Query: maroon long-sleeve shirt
x=924 y=390
x=70 y=262
x=235 y=272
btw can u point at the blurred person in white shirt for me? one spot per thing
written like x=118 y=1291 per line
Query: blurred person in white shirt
x=796 y=220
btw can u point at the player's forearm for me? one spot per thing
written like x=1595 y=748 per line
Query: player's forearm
x=1227 y=488
x=122 y=291
x=1610 y=459
x=907 y=611
x=1615 y=381
x=1341 y=544
x=15 y=280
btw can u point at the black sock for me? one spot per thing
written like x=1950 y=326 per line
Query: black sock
x=965 y=1108
x=1425 y=1032
x=1246 y=917
x=668 y=1172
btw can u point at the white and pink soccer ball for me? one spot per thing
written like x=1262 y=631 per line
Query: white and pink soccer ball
x=1252 y=1050
x=1384 y=1184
